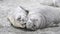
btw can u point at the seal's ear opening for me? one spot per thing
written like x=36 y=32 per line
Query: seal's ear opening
x=27 y=12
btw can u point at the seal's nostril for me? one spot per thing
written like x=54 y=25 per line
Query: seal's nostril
x=24 y=24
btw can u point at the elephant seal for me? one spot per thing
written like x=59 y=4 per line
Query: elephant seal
x=43 y=16
x=18 y=17
x=39 y=16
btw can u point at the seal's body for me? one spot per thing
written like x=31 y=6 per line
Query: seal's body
x=39 y=16
x=44 y=16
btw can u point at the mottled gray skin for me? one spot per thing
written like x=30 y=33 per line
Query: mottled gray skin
x=18 y=18
x=43 y=16
x=39 y=16
x=35 y=21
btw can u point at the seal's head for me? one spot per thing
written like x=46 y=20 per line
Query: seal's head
x=19 y=17
x=35 y=21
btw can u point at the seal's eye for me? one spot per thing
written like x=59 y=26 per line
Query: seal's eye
x=19 y=19
x=23 y=20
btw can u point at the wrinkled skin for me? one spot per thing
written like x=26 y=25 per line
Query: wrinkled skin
x=43 y=17
x=35 y=21
x=18 y=18
x=38 y=17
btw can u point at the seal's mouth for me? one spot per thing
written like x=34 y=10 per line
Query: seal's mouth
x=23 y=25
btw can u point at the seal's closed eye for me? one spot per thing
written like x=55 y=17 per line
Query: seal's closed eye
x=19 y=19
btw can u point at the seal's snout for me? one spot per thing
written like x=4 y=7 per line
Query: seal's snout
x=24 y=24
